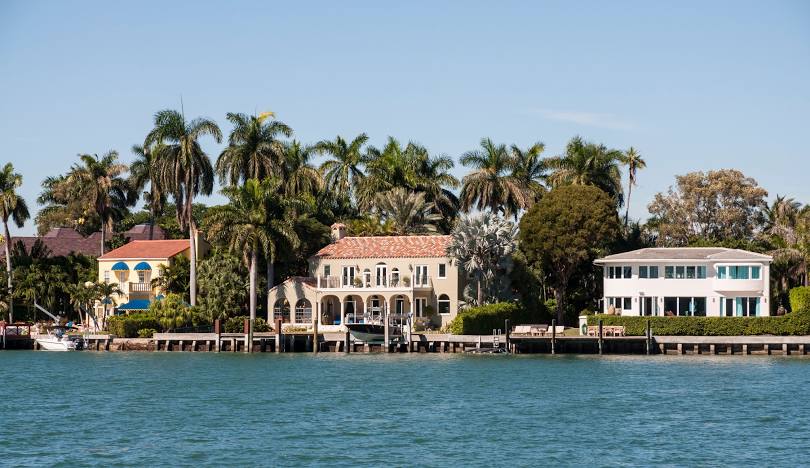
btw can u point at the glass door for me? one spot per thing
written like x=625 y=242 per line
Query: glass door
x=421 y=275
x=421 y=304
x=649 y=306
x=382 y=273
x=348 y=275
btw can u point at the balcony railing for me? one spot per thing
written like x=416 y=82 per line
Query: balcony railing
x=374 y=282
x=140 y=287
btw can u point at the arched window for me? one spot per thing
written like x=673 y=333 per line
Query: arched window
x=382 y=274
x=399 y=305
x=394 y=277
x=282 y=310
x=366 y=278
x=303 y=311
x=444 y=304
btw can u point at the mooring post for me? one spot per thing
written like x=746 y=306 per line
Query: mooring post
x=553 y=336
x=279 y=342
x=386 y=333
x=218 y=331
x=506 y=327
x=315 y=335
x=247 y=329
x=347 y=342
x=649 y=338
x=600 y=336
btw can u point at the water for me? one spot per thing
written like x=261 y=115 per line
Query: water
x=147 y=409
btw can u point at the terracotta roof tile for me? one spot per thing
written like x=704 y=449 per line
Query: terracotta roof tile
x=387 y=247
x=61 y=242
x=148 y=249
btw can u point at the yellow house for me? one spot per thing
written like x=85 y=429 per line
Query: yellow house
x=134 y=265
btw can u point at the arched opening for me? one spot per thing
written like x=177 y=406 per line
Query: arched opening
x=366 y=278
x=400 y=305
x=281 y=310
x=444 y=304
x=395 y=279
x=303 y=311
x=352 y=309
x=330 y=310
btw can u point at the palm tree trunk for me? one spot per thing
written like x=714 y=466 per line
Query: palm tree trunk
x=102 y=237
x=253 y=275
x=480 y=297
x=559 y=295
x=627 y=208
x=151 y=225
x=192 y=281
x=270 y=276
x=8 y=272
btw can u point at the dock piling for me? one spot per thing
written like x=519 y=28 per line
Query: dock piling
x=600 y=338
x=649 y=338
x=554 y=336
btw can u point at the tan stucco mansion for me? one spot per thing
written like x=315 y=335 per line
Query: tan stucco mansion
x=355 y=277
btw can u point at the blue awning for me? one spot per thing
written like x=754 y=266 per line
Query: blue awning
x=135 y=304
x=120 y=266
x=143 y=266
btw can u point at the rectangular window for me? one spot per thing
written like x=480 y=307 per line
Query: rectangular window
x=701 y=272
x=141 y=277
x=106 y=276
x=742 y=272
x=721 y=272
x=327 y=270
x=442 y=270
x=628 y=304
x=653 y=272
x=755 y=272
x=669 y=272
x=642 y=272
x=628 y=272
x=690 y=272
x=679 y=272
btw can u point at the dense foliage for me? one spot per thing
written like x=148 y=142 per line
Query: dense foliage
x=481 y=320
x=237 y=324
x=128 y=326
x=795 y=323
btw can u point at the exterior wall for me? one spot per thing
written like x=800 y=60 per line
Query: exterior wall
x=712 y=288
x=126 y=278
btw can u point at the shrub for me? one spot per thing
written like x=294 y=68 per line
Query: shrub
x=795 y=323
x=800 y=299
x=172 y=312
x=127 y=326
x=236 y=324
x=482 y=320
x=146 y=332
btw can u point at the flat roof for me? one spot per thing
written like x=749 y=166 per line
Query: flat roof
x=686 y=253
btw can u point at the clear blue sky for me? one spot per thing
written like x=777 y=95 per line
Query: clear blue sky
x=692 y=85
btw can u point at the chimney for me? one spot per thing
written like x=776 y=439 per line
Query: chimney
x=338 y=231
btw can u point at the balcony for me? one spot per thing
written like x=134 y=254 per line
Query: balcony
x=140 y=288
x=738 y=285
x=386 y=282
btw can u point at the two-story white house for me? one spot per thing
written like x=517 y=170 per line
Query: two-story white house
x=694 y=281
x=355 y=277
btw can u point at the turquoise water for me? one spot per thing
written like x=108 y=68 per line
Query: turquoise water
x=147 y=409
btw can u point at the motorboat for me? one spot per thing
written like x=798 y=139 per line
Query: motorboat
x=57 y=340
x=370 y=328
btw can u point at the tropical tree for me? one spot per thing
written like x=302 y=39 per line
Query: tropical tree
x=185 y=171
x=300 y=177
x=173 y=278
x=254 y=150
x=482 y=246
x=106 y=291
x=12 y=207
x=142 y=172
x=64 y=204
x=436 y=182
x=634 y=163
x=223 y=285
x=529 y=171
x=371 y=225
x=343 y=171
x=586 y=163
x=104 y=188
x=407 y=211
x=491 y=184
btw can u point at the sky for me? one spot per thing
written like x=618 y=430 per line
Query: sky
x=692 y=85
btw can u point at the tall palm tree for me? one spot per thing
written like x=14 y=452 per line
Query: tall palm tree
x=491 y=184
x=243 y=225
x=408 y=211
x=12 y=207
x=529 y=171
x=634 y=163
x=586 y=163
x=254 y=150
x=300 y=177
x=100 y=179
x=433 y=178
x=342 y=172
x=185 y=170
x=143 y=171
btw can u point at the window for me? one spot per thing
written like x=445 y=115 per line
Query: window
x=106 y=276
x=685 y=306
x=303 y=311
x=327 y=270
x=740 y=307
x=421 y=305
x=755 y=272
x=701 y=272
x=690 y=272
x=394 y=277
x=669 y=272
x=679 y=272
x=444 y=304
x=653 y=272
x=442 y=270
x=682 y=272
x=141 y=277
x=721 y=272
x=348 y=275
x=281 y=311
x=642 y=272
x=618 y=272
x=628 y=304
x=421 y=275
x=619 y=303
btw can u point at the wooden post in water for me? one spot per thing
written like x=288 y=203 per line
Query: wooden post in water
x=279 y=341
x=347 y=342
x=386 y=334
x=600 y=337
x=247 y=329
x=218 y=331
x=315 y=335
x=506 y=327
x=553 y=336
x=649 y=338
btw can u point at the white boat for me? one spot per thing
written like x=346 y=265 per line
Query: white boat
x=56 y=342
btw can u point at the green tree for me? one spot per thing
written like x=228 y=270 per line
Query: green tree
x=14 y=208
x=482 y=247
x=223 y=288
x=254 y=150
x=343 y=172
x=407 y=211
x=172 y=312
x=185 y=170
x=568 y=228
x=142 y=172
x=634 y=163
x=300 y=177
x=491 y=185
x=529 y=171
x=586 y=163
x=172 y=278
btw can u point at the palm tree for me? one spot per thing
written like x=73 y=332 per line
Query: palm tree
x=491 y=184
x=254 y=150
x=243 y=226
x=435 y=181
x=408 y=212
x=480 y=246
x=529 y=171
x=587 y=163
x=104 y=188
x=12 y=207
x=104 y=292
x=185 y=170
x=342 y=173
x=634 y=162
x=300 y=177
x=143 y=171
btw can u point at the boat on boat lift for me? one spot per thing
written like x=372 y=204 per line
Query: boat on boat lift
x=370 y=327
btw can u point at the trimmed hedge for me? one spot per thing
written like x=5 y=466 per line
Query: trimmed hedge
x=483 y=319
x=127 y=326
x=795 y=323
x=237 y=324
x=800 y=299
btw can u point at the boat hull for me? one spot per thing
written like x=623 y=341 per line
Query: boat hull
x=52 y=344
x=367 y=332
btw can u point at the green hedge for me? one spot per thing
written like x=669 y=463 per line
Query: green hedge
x=482 y=320
x=795 y=323
x=237 y=324
x=800 y=299
x=127 y=326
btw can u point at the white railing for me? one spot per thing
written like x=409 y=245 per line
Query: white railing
x=140 y=287
x=394 y=281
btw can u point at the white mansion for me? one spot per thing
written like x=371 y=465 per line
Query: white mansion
x=697 y=281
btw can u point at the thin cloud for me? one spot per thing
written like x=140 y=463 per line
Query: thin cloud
x=591 y=119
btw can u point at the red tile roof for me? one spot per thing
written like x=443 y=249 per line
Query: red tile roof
x=387 y=247
x=147 y=249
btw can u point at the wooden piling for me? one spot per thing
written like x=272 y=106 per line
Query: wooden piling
x=386 y=334
x=315 y=335
x=601 y=338
x=553 y=336
x=506 y=327
x=347 y=342
x=279 y=342
x=218 y=331
x=649 y=338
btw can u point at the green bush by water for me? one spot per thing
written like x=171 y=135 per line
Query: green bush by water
x=800 y=299
x=127 y=326
x=146 y=332
x=483 y=319
x=236 y=324
x=795 y=323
